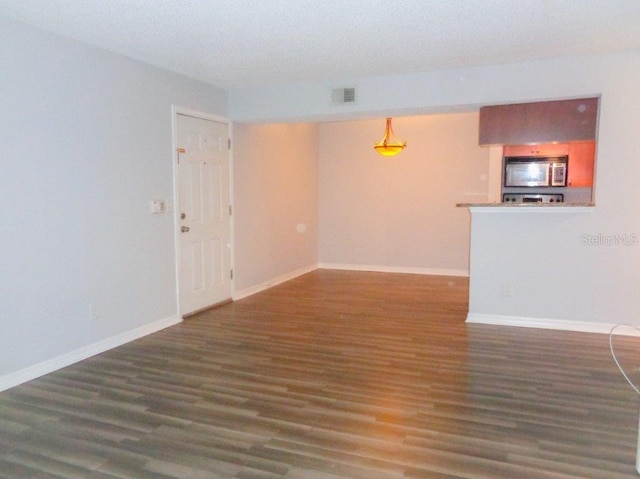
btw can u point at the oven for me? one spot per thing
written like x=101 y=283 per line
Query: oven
x=532 y=198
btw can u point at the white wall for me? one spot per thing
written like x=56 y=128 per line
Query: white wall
x=462 y=89
x=555 y=279
x=275 y=203
x=594 y=257
x=86 y=144
x=399 y=214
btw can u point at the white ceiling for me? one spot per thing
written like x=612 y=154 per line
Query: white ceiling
x=251 y=43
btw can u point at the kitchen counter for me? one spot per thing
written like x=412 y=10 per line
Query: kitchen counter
x=528 y=207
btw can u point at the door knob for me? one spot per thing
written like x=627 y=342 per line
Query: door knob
x=184 y=229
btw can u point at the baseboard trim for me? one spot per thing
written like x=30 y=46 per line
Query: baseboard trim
x=545 y=323
x=395 y=269
x=348 y=267
x=32 y=372
x=273 y=282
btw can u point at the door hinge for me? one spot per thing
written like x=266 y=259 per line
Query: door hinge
x=229 y=143
x=231 y=274
x=230 y=210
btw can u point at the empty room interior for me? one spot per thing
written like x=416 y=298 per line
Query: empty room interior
x=320 y=240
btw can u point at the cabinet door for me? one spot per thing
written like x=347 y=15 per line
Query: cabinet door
x=581 y=163
x=547 y=149
x=539 y=122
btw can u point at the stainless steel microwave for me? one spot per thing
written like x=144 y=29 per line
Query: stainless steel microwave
x=535 y=171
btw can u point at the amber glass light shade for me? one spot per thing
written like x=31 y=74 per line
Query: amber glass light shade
x=389 y=145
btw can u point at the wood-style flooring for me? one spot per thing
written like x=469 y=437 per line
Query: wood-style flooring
x=333 y=375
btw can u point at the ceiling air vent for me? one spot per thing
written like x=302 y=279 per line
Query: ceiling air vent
x=343 y=96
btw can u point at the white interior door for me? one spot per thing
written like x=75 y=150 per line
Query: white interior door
x=204 y=209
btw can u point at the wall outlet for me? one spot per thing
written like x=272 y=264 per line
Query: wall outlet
x=507 y=290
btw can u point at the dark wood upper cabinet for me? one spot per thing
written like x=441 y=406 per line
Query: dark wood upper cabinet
x=540 y=122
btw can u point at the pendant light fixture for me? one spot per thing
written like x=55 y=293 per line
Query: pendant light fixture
x=389 y=145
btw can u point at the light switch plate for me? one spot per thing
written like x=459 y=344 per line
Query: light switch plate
x=158 y=206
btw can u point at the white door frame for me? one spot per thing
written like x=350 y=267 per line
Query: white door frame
x=176 y=110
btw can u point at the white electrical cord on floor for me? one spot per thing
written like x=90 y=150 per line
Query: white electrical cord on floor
x=635 y=388
x=613 y=354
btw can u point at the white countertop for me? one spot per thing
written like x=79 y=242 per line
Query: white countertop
x=528 y=207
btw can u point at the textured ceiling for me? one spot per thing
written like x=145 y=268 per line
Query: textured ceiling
x=252 y=43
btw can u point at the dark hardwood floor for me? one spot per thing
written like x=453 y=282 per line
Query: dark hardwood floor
x=333 y=375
